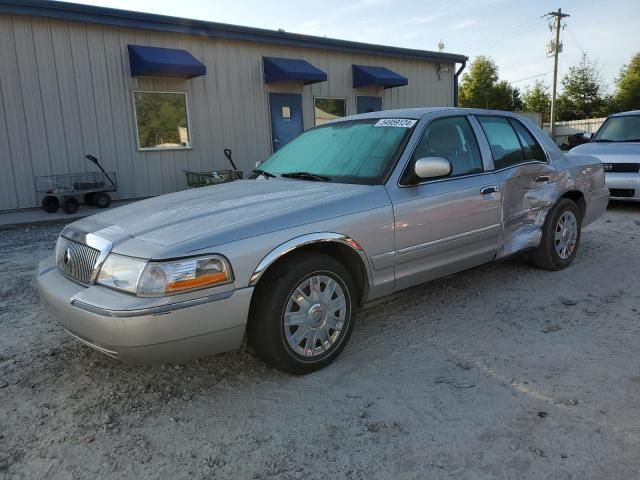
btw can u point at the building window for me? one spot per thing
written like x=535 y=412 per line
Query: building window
x=327 y=109
x=162 y=120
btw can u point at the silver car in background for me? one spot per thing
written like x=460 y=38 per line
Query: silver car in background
x=617 y=145
x=346 y=213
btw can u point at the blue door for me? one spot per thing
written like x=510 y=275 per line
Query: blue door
x=286 y=118
x=365 y=104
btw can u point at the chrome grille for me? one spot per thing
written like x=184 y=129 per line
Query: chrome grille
x=76 y=260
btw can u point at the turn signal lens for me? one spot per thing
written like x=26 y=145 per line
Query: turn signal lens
x=177 y=276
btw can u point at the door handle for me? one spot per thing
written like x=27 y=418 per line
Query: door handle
x=541 y=179
x=275 y=140
x=489 y=190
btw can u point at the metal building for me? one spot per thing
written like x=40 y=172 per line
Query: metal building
x=152 y=95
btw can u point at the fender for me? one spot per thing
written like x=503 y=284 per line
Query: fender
x=309 y=239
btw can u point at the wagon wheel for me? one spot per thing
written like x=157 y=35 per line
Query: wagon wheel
x=50 y=204
x=102 y=200
x=69 y=205
x=90 y=199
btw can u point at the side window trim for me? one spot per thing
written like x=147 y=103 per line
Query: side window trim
x=483 y=143
x=468 y=118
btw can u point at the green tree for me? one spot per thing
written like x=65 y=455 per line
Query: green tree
x=583 y=94
x=538 y=99
x=476 y=86
x=480 y=88
x=627 y=95
x=506 y=97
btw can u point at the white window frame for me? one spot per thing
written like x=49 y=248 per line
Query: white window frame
x=189 y=146
x=344 y=99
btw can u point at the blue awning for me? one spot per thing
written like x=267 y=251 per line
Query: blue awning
x=288 y=69
x=163 y=62
x=364 y=75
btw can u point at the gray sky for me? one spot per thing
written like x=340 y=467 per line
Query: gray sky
x=510 y=31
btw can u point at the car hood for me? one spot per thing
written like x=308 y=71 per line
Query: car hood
x=624 y=152
x=233 y=211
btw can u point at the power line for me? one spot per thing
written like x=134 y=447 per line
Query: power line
x=577 y=42
x=529 y=78
x=506 y=34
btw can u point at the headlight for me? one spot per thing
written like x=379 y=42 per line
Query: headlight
x=121 y=272
x=177 y=276
x=151 y=278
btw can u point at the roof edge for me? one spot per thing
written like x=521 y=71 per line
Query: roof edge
x=150 y=21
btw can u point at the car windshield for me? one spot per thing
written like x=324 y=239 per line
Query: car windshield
x=619 y=129
x=358 y=151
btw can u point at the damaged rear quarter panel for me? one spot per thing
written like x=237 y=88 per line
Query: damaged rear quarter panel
x=526 y=203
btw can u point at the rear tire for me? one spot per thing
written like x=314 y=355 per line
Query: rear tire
x=69 y=205
x=560 y=237
x=102 y=200
x=50 y=204
x=303 y=313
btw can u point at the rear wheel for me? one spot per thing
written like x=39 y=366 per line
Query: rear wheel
x=50 y=204
x=69 y=204
x=303 y=313
x=560 y=237
x=90 y=199
x=102 y=200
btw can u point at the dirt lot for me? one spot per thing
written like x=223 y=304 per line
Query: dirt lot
x=501 y=372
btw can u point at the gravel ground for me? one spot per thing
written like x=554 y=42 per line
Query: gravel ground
x=500 y=372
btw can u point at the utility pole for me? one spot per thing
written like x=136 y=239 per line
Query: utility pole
x=556 y=50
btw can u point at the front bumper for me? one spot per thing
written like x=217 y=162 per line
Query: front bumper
x=134 y=330
x=623 y=186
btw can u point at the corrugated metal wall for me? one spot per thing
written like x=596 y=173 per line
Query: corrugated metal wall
x=66 y=90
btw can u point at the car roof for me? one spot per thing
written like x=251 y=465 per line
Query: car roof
x=418 y=113
x=625 y=114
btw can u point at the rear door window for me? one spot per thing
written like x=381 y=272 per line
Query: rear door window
x=531 y=149
x=505 y=145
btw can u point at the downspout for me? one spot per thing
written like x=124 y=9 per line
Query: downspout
x=455 y=83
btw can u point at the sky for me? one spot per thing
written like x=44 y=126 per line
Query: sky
x=512 y=32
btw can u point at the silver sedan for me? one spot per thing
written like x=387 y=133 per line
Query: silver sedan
x=617 y=145
x=346 y=213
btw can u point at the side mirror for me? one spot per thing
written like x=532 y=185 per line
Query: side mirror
x=587 y=136
x=432 y=167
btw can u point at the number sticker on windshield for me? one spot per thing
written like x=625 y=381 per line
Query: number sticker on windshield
x=396 y=122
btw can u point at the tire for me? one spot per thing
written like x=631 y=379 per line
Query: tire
x=69 y=205
x=90 y=199
x=102 y=200
x=327 y=332
x=50 y=204
x=550 y=254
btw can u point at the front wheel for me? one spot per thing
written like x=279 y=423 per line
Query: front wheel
x=303 y=313
x=560 y=237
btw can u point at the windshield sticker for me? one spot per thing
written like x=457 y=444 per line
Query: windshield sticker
x=395 y=122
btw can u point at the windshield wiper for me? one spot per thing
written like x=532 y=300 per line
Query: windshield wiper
x=306 y=176
x=264 y=173
x=602 y=140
